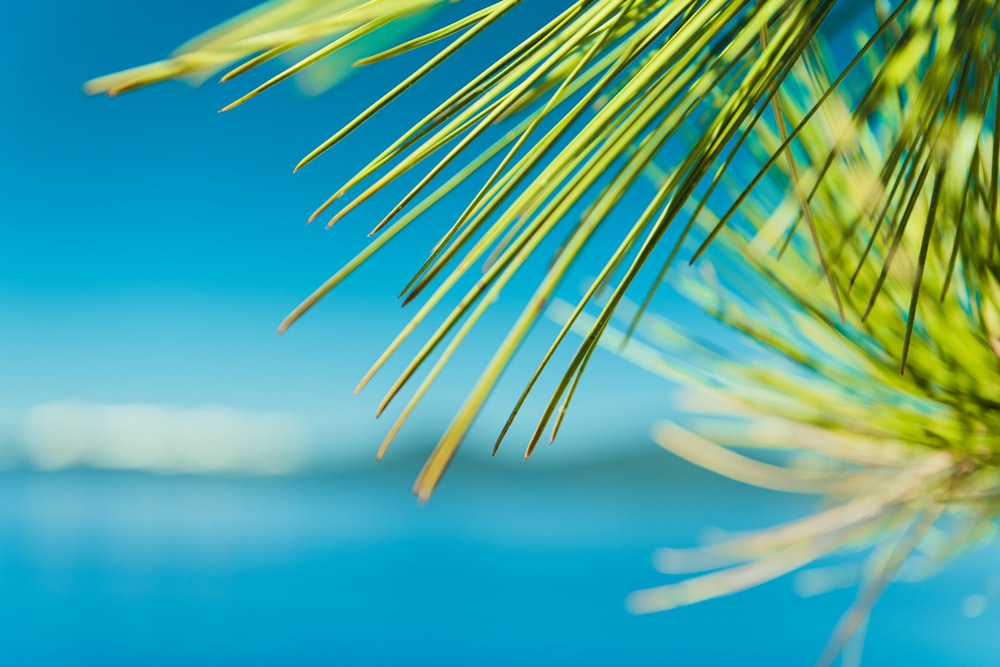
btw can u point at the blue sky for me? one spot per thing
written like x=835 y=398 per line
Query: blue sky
x=151 y=245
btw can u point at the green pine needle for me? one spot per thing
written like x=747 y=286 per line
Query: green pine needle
x=599 y=93
x=910 y=462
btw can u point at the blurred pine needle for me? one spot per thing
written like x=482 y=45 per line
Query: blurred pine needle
x=864 y=242
x=910 y=463
x=595 y=96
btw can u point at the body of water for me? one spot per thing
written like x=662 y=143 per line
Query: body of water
x=501 y=568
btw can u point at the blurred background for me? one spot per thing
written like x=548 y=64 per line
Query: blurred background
x=179 y=483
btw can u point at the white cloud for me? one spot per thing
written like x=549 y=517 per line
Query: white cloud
x=151 y=437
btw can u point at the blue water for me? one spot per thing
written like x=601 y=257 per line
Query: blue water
x=501 y=568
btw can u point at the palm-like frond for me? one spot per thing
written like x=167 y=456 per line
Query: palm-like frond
x=271 y=30
x=910 y=462
x=593 y=98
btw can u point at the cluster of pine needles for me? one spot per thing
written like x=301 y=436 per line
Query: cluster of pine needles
x=858 y=255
